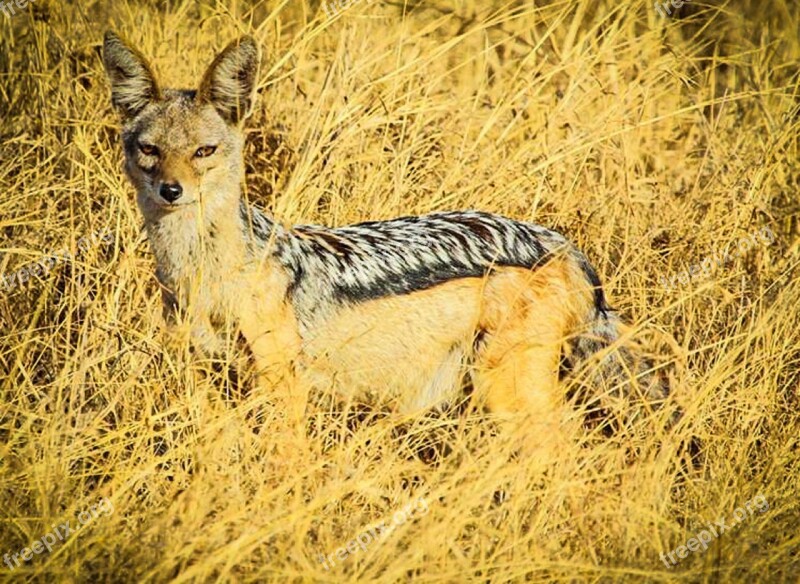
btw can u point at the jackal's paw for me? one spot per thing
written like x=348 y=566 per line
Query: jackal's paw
x=176 y=339
x=291 y=446
x=206 y=342
x=197 y=340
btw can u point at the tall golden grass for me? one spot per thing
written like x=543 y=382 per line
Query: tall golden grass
x=651 y=141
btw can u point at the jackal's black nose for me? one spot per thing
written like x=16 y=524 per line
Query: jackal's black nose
x=170 y=192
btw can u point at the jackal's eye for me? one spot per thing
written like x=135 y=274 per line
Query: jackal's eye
x=204 y=151
x=148 y=149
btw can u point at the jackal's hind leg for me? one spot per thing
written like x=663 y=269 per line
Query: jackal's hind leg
x=517 y=366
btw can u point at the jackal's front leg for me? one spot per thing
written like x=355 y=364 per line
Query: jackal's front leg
x=189 y=329
x=271 y=332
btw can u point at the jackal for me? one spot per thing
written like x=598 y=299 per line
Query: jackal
x=400 y=309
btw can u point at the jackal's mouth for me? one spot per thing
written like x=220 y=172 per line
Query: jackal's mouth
x=172 y=206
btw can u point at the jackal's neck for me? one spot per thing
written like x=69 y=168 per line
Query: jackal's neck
x=191 y=246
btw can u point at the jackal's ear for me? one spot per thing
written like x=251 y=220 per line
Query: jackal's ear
x=230 y=80
x=133 y=84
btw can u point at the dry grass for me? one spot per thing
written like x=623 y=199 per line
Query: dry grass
x=650 y=141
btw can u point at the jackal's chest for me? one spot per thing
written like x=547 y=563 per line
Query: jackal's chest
x=200 y=272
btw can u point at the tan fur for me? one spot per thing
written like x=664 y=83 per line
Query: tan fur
x=411 y=350
x=270 y=328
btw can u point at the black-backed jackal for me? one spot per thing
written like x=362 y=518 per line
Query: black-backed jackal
x=400 y=309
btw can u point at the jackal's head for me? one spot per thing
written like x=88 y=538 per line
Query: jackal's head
x=183 y=148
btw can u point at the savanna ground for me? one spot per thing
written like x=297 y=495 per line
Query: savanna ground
x=653 y=141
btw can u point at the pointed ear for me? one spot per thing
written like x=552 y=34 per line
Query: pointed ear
x=230 y=80
x=133 y=84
